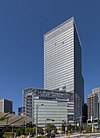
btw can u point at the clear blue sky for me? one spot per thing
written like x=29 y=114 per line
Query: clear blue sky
x=22 y=25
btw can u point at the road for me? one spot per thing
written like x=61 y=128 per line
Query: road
x=82 y=136
x=85 y=136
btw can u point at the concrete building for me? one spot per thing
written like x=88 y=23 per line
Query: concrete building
x=97 y=92
x=63 y=63
x=52 y=105
x=5 y=106
x=93 y=110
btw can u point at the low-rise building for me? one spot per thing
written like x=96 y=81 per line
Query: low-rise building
x=48 y=105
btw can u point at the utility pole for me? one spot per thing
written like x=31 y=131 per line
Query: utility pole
x=36 y=120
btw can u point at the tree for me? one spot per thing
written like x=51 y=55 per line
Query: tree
x=50 y=128
x=40 y=130
x=33 y=131
x=89 y=128
x=8 y=134
x=27 y=130
x=63 y=127
x=18 y=131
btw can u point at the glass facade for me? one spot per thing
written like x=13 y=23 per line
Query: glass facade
x=59 y=57
x=52 y=105
x=62 y=63
x=6 y=106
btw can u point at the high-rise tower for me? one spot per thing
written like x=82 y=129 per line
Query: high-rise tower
x=62 y=63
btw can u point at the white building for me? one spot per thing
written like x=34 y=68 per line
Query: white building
x=62 y=63
x=59 y=57
x=94 y=108
x=97 y=91
x=52 y=105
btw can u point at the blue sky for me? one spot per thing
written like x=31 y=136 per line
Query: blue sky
x=22 y=25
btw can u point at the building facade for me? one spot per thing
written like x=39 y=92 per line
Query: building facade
x=97 y=92
x=21 y=110
x=93 y=110
x=52 y=105
x=96 y=108
x=62 y=63
x=5 y=106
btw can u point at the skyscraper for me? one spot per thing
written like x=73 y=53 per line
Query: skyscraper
x=62 y=63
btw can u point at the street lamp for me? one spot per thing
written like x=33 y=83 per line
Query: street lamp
x=37 y=118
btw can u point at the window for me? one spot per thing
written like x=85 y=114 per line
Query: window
x=64 y=87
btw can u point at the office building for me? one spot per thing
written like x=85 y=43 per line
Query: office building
x=93 y=110
x=21 y=110
x=97 y=92
x=63 y=63
x=5 y=106
x=52 y=105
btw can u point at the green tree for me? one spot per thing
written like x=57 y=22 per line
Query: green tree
x=63 y=127
x=18 y=131
x=50 y=128
x=40 y=130
x=69 y=127
x=33 y=131
x=27 y=130
x=22 y=130
x=89 y=128
x=8 y=134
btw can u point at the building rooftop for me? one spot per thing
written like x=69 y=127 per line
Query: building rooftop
x=7 y=119
x=70 y=19
x=49 y=94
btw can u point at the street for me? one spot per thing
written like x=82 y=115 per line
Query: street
x=97 y=135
